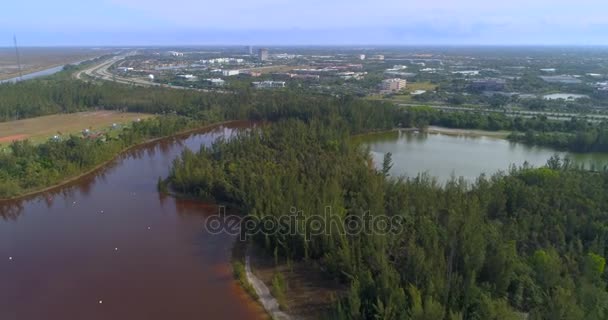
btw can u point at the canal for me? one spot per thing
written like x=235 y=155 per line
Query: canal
x=109 y=246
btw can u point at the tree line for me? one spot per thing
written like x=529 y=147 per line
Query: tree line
x=575 y=134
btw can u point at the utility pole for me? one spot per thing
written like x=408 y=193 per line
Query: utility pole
x=18 y=58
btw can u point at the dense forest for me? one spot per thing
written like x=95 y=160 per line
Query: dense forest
x=529 y=243
x=26 y=167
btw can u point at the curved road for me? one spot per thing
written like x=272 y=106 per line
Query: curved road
x=101 y=72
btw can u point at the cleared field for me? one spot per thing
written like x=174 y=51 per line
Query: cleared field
x=42 y=128
x=413 y=86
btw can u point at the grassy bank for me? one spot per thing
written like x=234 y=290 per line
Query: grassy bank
x=102 y=164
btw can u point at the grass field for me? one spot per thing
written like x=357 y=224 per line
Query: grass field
x=42 y=128
x=413 y=86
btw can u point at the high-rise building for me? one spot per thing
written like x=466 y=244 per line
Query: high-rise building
x=263 y=54
x=250 y=48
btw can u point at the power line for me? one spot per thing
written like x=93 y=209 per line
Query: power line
x=18 y=58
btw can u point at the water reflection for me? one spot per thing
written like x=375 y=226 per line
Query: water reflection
x=444 y=155
x=164 y=267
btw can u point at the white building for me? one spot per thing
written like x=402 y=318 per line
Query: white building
x=216 y=82
x=187 y=76
x=124 y=69
x=361 y=57
x=268 y=84
x=393 y=85
x=228 y=73
x=175 y=54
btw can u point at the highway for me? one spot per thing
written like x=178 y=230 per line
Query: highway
x=101 y=72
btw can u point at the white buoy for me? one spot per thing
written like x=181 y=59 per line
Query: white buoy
x=100 y=301
x=10 y=258
x=148 y=228
x=115 y=249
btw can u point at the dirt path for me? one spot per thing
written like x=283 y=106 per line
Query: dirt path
x=266 y=299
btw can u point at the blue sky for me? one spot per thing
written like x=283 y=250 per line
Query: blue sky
x=291 y=22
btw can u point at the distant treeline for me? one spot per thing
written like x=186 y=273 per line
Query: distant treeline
x=42 y=97
x=574 y=134
x=527 y=244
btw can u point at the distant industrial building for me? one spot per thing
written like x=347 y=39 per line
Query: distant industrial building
x=263 y=54
x=393 y=85
x=268 y=84
x=228 y=73
x=361 y=57
x=188 y=77
x=251 y=73
x=304 y=76
x=216 y=82
x=467 y=72
x=490 y=84
x=377 y=57
x=566 y=79
x=124 y=69
x=174 y=54
x=351 y=75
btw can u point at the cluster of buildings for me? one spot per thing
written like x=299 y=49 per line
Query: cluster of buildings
x=223 y=61
x=173 y=54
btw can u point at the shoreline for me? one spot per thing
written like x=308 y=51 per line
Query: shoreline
x=265 y=297
x=113 y=158
x=443 y=130
x=467 y=132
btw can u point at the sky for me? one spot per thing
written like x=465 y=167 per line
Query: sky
x=303 y=22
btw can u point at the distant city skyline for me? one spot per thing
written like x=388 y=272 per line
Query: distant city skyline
x=312 y=22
